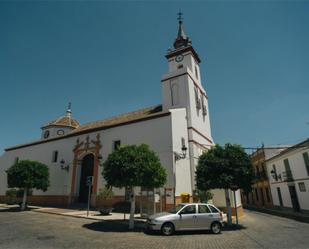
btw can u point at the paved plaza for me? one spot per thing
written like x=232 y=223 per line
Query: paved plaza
x=31 y=230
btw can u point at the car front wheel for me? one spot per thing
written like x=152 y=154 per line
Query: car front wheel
x=215 y=228
x=167 y=229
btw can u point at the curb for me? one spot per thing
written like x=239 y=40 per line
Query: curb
x=296 y=217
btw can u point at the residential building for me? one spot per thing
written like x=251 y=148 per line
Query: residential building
x=260 y=195
x=289 y=178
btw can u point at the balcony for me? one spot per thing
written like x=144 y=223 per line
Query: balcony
x=260 y=176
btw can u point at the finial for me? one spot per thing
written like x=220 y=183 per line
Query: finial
x=69 y=111
x=180 y=14
x=182 y=40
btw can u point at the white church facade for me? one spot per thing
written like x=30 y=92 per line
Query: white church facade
x=74 y=151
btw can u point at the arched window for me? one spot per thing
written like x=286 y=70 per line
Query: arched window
x=175 y=94
x=196 y=72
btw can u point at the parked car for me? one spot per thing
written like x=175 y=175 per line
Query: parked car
x=188 y=216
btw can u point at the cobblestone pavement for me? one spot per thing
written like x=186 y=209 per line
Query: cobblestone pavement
x=33 y=230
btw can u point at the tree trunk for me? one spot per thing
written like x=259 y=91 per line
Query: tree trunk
x=132 y=211
x=23 y=205
x=228 y=207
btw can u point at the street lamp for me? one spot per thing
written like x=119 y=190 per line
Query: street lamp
x=179 y=156
x=275 y=176
x=63 y=166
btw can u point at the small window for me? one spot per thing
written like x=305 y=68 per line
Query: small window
x=179 y=66
x=16 y=160
x=55 y=156
x=213 y=209
x=190 y=209
x=202 y=209
x=302 y=187
x=267 y=194
x=175 y=94
x=116 y=145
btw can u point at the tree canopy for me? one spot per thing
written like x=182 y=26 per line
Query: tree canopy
x=28 y=174
x=223 y=167
x=134 y=165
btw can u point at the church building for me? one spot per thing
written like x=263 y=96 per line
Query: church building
x=178 y=130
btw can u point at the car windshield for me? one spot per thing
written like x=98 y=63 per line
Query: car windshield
x=176 y=209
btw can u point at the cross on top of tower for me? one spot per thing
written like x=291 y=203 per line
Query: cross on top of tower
x=180 y=14
x=182 y=40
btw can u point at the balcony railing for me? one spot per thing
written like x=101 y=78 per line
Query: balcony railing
x=287 y=175
x=260 y=175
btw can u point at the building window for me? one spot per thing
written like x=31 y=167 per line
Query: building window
x=55 y=156
x=116 y=145
x=175 y=96
x=279 y=196
x=204 y=106
x=288 y=173
x=197 y=99
x=267 y=194
x=306 y=159
x=256 y=194
x=196 y=72
x=302 y=187
x=179 y=66
x=16 y=160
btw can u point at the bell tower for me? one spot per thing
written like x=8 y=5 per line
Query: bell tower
x=182 y=88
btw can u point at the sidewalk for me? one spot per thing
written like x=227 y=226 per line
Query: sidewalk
x=286 y=214
x=93 y=215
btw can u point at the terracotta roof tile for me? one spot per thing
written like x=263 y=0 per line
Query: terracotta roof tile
x=123 y=118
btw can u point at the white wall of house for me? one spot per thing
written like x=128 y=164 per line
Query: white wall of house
x=299 y=173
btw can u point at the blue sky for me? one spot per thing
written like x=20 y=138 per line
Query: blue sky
x=107 y=58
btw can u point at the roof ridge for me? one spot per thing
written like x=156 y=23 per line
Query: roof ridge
x=123 y=114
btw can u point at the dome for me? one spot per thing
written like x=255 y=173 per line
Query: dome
x=64 y=121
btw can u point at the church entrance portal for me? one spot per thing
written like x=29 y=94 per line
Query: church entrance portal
x=86 y=170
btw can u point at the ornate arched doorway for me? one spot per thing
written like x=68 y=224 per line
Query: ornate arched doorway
x=86 y=170
x=85 y=163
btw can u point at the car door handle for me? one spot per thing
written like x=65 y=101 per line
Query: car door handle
x=210 y=215
x=194 y=216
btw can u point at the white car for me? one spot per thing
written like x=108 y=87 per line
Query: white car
x=188 y=216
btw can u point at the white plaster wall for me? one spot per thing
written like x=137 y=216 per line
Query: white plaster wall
x=155 y=132
x=59 y=178
x=182 y=166
x=299 y=173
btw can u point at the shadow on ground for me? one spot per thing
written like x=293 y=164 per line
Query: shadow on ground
x=14 y=209
x=115 y=226
x=140 y=226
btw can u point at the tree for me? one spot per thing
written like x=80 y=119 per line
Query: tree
x=202 y=195
x=27 y=175
x=222 y=168
x=131 y=166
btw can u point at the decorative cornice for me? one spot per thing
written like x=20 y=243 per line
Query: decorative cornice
x=201 y=134
x=193 y=80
